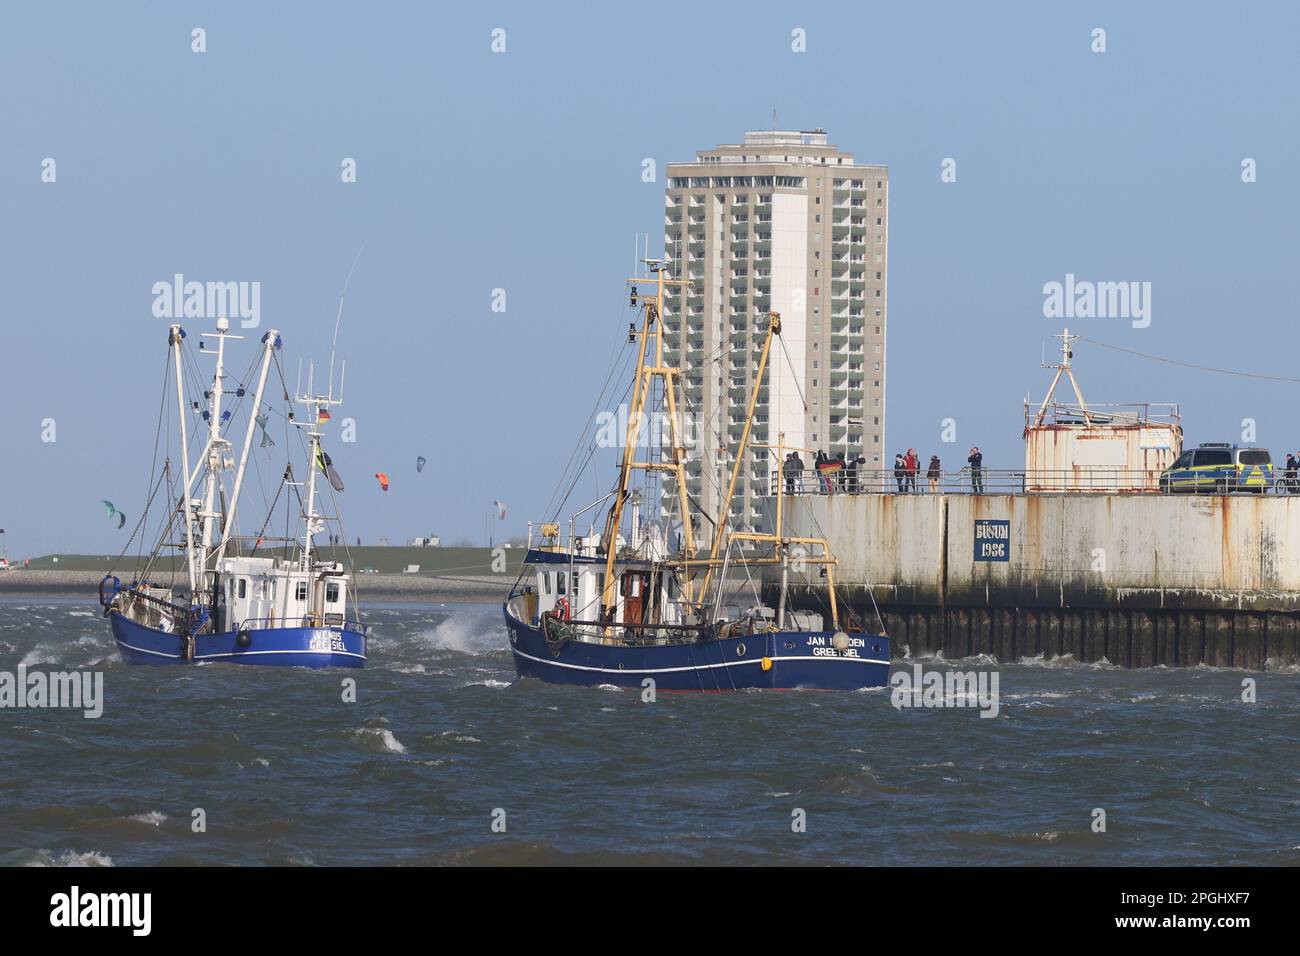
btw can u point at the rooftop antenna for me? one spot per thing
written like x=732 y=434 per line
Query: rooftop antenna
x=1063 y=368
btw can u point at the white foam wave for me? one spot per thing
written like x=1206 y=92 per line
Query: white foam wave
x=384 y=736
x=466 y=633
x=71 y=858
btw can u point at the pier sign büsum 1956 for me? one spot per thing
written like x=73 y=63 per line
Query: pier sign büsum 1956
x=992 y=540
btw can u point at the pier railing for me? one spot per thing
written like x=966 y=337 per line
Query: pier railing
x=997 y=481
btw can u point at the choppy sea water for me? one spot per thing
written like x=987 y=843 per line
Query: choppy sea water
x=442 y=737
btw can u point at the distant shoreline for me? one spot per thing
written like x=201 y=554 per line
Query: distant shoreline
x=381 y=588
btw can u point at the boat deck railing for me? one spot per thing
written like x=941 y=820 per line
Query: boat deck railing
x=330 y=621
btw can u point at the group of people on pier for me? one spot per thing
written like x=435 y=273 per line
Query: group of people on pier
x=846 y=474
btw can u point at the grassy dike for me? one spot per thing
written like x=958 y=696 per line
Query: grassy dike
x=454 y=575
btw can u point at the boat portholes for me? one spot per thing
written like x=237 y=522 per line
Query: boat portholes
x=740 y=650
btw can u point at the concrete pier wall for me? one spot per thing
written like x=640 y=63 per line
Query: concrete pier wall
x=1138 y=580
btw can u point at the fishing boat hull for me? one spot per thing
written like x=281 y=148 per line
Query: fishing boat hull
x=268 y=647
x=785 y=660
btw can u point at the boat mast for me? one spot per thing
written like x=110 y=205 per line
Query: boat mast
x=317 y=405
x=215 y=446
x=652 y=332
x=271 y=341
x=174 y=338
x=313 y=449
x=724 y=513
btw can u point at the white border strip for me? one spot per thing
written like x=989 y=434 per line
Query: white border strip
x=696 y=667
x=208 y=657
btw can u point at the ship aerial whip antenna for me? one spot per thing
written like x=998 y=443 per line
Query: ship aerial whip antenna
x=338 y=319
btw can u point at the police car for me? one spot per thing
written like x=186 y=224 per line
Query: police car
x=1219 y=468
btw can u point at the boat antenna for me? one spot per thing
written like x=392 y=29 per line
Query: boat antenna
x=338 y=319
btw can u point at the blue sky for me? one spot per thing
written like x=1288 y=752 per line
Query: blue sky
x=522 y=171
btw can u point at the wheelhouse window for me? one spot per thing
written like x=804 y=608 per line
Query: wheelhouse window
x=301 y=591
x=243 y=588
x=331 y=593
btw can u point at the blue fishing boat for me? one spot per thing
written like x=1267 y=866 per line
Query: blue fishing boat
x=624 y=607
x=205 y=593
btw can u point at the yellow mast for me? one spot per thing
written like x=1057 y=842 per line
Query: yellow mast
x=779 y=539
x=651 y=332
x=724 y=513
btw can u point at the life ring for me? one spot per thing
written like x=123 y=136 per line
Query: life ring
x=561 y=609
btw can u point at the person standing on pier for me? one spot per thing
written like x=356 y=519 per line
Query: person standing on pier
x=913 y=466
x=1289 y=475
x=900 y=471
x=932 y=473
x=789 y=469
x=976 y=462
